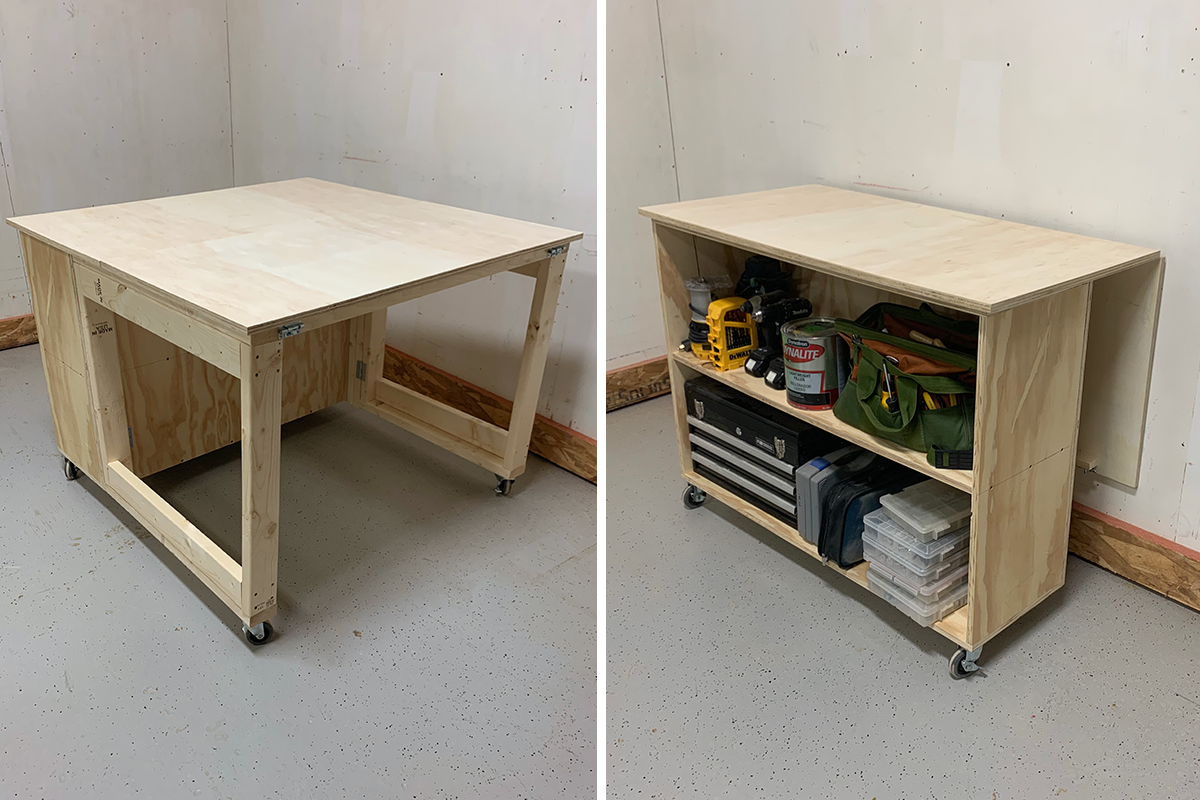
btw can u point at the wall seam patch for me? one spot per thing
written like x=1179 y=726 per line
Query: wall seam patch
x=662 y=43
x=229 y=84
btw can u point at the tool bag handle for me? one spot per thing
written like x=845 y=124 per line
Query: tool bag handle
x=908 y=387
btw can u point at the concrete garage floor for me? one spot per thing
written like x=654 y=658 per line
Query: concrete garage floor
x=740 y=667
x=433 y=641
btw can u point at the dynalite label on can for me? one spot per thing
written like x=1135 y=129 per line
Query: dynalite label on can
x=814 y=359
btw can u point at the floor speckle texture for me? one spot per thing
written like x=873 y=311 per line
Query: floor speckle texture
x=740 y=667
x=433 y=641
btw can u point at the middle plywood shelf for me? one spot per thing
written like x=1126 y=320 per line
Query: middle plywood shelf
x=756 y=388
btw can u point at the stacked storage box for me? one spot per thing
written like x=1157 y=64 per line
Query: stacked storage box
x=918 y=545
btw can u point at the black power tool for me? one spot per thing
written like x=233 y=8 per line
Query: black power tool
x=770 y=312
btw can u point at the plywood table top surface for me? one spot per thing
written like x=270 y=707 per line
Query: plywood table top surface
x=972 y=263
x=252 y=257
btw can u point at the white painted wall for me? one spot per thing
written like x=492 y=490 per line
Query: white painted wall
x=1043 y=112
x=476 y=104
x=641 y=171
x=104 y=102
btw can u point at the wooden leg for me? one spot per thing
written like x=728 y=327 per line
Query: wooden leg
x=533 y=363
x=261 y=380
x=102 y=363
x=480 y=441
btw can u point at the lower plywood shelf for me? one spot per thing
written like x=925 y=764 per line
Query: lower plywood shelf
x=953 y=627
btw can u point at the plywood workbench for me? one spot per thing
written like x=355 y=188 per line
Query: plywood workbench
x=173 y=327
x=1033 y=291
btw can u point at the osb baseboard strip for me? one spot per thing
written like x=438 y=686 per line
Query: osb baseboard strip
x=556 y=443
x=625 y=386
x=17 y=331
x=1148 y=560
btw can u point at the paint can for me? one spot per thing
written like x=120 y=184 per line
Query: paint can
x=816 y=363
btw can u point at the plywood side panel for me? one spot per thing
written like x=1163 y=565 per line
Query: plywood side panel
x=52 y=285
x=1018 y=545
x=74 y=429
x=1116 y=381
x=675 y=254
x=1025 y=421
x=1030 y=362
x=181 y=407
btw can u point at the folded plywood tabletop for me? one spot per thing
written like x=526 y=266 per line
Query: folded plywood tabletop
x=248 y=259
x=975 y=264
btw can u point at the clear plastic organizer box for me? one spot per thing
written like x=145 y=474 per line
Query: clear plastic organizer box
x=924 y=613
x=885 y=558
x=880 y=533
x=927 y=593
x=929 y=510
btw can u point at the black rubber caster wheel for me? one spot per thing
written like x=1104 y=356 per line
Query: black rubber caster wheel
x=266 y=637
x=960 y=666
x=69 y=469
x=503 y=486
x=693 y=497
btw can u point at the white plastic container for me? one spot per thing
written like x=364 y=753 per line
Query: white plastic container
x=929 y=510
x=923 y=613
x=881 y=532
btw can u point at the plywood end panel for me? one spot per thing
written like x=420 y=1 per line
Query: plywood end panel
x=56 y=308
x=1030 y=365
x=52 y=288
x=1027 y=410
x=1116 y=382
x=181 y=407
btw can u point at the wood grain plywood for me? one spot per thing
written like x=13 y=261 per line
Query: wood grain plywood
x=1116 y=380
x=74 y=429
x=1027 y=410
x=1019 y=532
x=1027 y=395
x=968 y=262
x=182 y=407
x=52 y=286
x=249 y=258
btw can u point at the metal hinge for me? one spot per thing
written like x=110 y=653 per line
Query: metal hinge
x=291 y=329
x=360 y=370
x=554 y=251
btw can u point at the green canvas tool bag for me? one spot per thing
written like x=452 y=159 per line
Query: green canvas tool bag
x=934 y=386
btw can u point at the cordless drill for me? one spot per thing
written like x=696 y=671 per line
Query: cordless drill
x=770 y=312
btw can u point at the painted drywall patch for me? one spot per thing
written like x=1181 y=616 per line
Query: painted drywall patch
x=977 y=127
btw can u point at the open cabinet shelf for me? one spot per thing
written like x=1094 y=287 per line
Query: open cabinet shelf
x=1030 y=290
x=756 y=388
x=953 y=627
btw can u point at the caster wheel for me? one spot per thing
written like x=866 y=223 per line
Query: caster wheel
x=503 y=485
x=962 y=665
x=693 y=497
x=258 y=641
x=69 y=469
